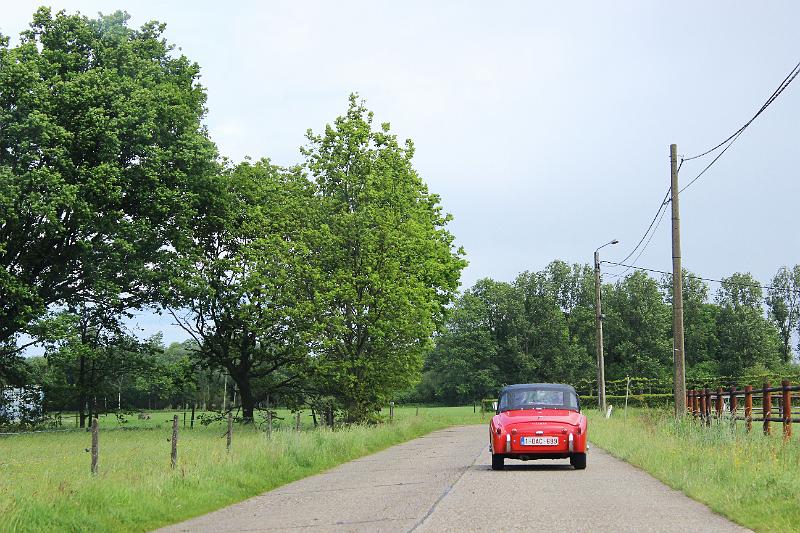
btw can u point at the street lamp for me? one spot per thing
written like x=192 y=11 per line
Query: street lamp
x=598 y=315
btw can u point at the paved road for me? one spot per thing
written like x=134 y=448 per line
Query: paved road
x=443 y=482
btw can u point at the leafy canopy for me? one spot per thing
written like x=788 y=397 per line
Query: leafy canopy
x=388 y=262
x=101 y=149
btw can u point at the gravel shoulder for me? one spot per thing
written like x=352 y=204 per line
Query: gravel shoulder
x=443 y=482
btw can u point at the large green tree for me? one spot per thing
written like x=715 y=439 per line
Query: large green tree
x=783 y=305
x=93 y=354
x=246 y=286
x=637 y=326
x=101 y=149
x=463 y=366
x=699 y=322
x=500 y=333
x=389 y=261
x=746 y=338
x=544 y=348
x=501 y=308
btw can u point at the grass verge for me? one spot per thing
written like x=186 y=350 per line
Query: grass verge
x=45 y=483
x=750 y=478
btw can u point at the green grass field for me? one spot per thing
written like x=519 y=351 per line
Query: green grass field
x=750 y=478
x=45 y=483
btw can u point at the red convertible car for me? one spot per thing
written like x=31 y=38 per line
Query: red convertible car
x=538 y=421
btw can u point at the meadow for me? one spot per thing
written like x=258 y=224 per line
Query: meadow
x=748 y=477
x=46 y=485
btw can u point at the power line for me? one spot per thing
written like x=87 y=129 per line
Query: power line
x=712 y=162
x=689 y=275
x=728 y=142
x=660 y=207
x=664 y=212
x=783 y=85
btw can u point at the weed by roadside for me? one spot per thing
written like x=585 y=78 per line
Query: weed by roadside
x=749 y=477
x=45 y=483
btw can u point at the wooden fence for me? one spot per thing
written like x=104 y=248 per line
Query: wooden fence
x=748 y=404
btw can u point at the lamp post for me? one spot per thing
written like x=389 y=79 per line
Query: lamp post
x=598 y=315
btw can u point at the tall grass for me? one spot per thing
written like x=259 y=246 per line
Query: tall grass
x=45 y=483
x=750 y=478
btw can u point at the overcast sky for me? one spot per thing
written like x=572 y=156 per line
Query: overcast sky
x=545 y=129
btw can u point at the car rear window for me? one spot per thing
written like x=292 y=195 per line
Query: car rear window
x=531 y=398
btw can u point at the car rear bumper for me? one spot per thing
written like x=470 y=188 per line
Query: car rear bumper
x=530 y=456
x=511 y=445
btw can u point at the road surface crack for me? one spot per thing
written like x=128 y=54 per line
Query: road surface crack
x=446 y=492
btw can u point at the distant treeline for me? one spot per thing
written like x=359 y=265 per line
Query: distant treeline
x=541 y=327
x=320 y=284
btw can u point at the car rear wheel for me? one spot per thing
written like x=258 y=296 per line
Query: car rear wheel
x=498 y=461
x=578 y=461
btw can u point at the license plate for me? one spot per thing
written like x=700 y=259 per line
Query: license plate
x=539 y=441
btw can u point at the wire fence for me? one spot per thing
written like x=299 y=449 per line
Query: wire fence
x=644 y=385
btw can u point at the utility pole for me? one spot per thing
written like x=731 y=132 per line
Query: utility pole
x=677 y=292
x=598 y=320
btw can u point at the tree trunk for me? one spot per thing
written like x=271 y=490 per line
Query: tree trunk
x=246 y=398
x=82 y=392
x=787 y=339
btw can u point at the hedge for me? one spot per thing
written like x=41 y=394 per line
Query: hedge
x=634 y=400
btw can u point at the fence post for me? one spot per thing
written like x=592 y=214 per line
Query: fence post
x=748 y=407
x=391 y=411
x=230 y=430
x=733 y=400
x=766 y=407
x=95 y=446
x=720 y=403
x=269 y=422
x=695 y=403
x=174 y=456
x=709 y=407
x=702 y=405
x=786 y=407
x=297 y=421
x=627 y=393
x=269 y=417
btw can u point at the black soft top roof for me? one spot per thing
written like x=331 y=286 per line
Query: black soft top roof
x=551 y=386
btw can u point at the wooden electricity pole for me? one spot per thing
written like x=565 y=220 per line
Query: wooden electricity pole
x=677 y=292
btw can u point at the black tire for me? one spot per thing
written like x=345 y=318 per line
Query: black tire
x=498 y=461
x=578 y=461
